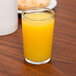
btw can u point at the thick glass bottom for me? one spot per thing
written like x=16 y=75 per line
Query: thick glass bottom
x=37 y=63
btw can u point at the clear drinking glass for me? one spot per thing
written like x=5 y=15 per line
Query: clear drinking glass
x=38 y=27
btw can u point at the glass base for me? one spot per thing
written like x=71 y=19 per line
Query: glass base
x=37 y=63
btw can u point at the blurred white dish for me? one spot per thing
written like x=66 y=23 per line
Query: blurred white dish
x=52 y=5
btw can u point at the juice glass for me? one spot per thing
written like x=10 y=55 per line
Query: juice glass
x=38 y=27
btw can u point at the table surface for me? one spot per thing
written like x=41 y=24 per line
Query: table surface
x=63 y=61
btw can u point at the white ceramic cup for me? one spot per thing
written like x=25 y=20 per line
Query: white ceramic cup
x=8 y=17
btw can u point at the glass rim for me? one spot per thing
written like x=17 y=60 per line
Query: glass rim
x=38 y=9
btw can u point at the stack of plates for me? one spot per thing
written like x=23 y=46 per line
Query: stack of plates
x=52 y=5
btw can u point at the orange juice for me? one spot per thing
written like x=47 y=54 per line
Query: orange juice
x=37 y=36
